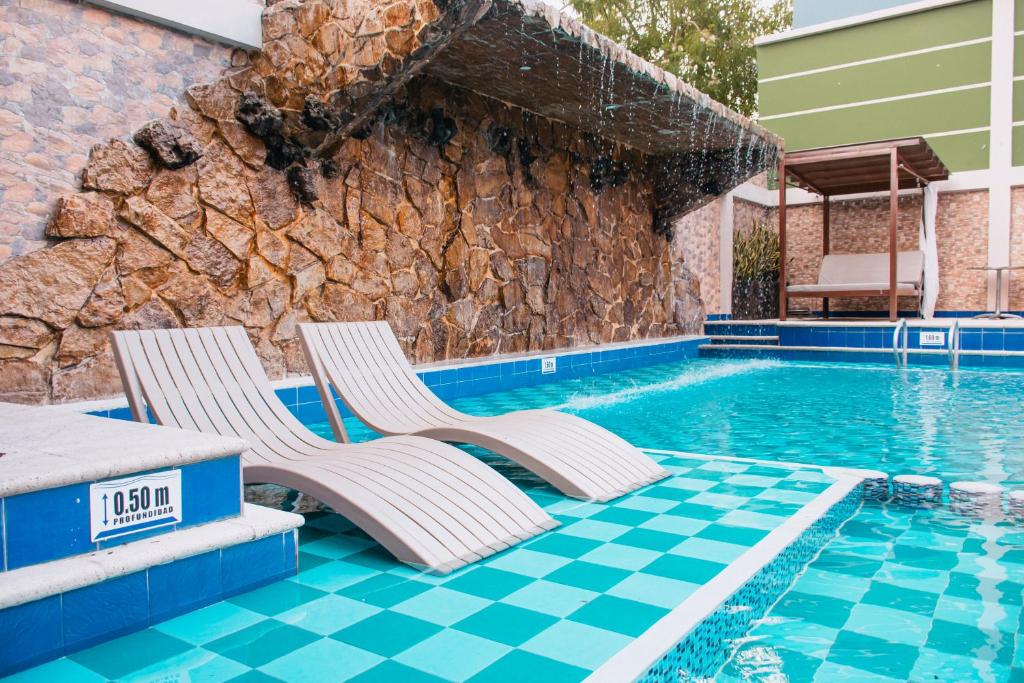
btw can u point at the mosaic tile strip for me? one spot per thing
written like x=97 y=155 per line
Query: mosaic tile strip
x=705 y=649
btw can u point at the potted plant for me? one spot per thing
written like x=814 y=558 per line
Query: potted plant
x=755 y=257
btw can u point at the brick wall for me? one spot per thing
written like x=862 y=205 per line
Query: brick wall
x=71 y=76
x=861 y=226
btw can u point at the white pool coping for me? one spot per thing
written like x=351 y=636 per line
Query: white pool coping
x=633 y=661
x=44 y=447
x=28 y=584
x=299 y=381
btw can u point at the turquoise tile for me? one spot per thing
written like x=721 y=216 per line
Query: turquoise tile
x=595 y=529
x=1002 y=617
x=832 y=584
x=387 y=633
x=337 y=546
x=333 y=576
x=732 y=534
x=506 y=624
x=687 y=569
x=674 y=524
x=486 y=582
x=893 y=625
x=436 y=655
x=528 y=562
x=328 y=614
x=555 y=599
x=384 y=590
x=276 y=598
x=517 y=666
x=694 y=511
x=654 y=590
x=390 y=671
x=58 y=670
x=830 y=672
x=323 y=661
x=901 y=598
x=828 y=611
x=842 y=563
x=576 y=644
x=574 y=508
x=649 y=503
x=120 y=657
x=931 y=580
x=669 y=493
x=873 y=655
x=563 y=545
x=933 y=665
x=798 y=635
x=621 y=556
x=686 y=484
x=589 y=576
x=650 y=539
x=196 y=664
x=757 y=480
x=209 y=623
x=704 y=548
x=624 y=516
x=981 y=642
x=442 y=606
x=262 y=643
x=751 y=520
x=627 y=617
x=255 y=676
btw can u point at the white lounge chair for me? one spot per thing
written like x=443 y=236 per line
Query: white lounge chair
x=864 y=275
x=366 y=366
x=428 y=503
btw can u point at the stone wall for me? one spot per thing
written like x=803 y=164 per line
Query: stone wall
x=1017 y=251
x=861 y=226
x=71 y=76
x=472 y=227
x=696 y=248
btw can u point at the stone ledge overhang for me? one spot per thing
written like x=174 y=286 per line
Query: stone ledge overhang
x=531 y=55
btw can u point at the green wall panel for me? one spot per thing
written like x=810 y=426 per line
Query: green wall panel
x=1018 y=16
x=933 y=71
x=1018 y=146
x=916 y=116
x=942 y=26
x=1018 y=55
x=1018 y=101
x=966 y=152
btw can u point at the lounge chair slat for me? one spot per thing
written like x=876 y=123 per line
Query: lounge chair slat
x=364 y=363
x=428 y=503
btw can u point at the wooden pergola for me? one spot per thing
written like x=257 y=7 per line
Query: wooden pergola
x=891 y=165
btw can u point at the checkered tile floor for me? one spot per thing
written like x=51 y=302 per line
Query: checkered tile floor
x=552 y=609
x=899 y=596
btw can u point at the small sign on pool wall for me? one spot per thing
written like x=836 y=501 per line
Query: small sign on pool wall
x=548 y=365
x=933 y=339
x=138 y=503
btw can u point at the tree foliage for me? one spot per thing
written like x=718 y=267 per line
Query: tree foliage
x=708 y=43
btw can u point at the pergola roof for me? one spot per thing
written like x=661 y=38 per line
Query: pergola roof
x=853 y=169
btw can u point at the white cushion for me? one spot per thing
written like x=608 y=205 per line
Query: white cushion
x=845 y=270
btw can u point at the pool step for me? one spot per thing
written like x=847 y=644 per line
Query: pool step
x=744 y=340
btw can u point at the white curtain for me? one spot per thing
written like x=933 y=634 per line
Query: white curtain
x=931 y=252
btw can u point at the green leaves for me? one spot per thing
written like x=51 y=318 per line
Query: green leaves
x=755 y=253
x=707 y=43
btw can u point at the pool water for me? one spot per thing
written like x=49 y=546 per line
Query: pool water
x=919 y=595
x=900 y=594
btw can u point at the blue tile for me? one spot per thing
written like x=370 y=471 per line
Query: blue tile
x=970 y=340
x=105 y=610
x=311 y=413
x=307 y=394
x=449 y=376
x=288 y=396
x=30 y=634
x=211 y=490
x=432 y=379
x=1013 y=341
x=120 y=414
x=62 y=531
x=992 y=340
x=184 y=585
x=254 y=564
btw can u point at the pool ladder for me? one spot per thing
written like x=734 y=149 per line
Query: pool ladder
x=900 y=344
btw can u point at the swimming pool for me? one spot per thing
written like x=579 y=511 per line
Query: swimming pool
x=953 y=587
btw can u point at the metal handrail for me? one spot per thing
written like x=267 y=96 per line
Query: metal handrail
x=901 y=359
x=954 y=346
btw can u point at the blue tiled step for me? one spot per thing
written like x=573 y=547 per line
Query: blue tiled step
x=765 y=340
x=53 y=609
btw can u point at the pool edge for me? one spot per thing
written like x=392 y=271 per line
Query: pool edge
x=669 y=639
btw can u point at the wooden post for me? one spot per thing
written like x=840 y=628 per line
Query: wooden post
x=783 y=303
x=826 y=224
x=894 y=194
